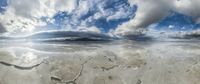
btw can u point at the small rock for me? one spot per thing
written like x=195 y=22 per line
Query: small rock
x=138 y=81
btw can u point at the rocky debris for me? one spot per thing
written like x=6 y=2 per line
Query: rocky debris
x=56 y=79
x=139 y=81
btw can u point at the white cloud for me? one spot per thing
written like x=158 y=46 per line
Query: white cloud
x=148 y=12
x=119 y=14
x=25 y=15
x=93 y=10
x=65 y=5
x=152 y=11
x=188 y=7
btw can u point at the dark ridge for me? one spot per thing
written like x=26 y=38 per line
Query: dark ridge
x=84 y=41
x=61 y=36
x=77 y=39
x=71 y=34
x=142 y=37
x=5 y=38
x=197 y=36
x=187 y=36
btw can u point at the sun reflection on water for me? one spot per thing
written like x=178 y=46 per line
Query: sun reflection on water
x=28 y=57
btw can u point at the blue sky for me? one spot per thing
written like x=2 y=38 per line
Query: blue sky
x=174 y=20
x=177 y=22
x=2 y=5
x=105 y=25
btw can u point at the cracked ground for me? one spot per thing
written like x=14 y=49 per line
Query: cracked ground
x=120 y=62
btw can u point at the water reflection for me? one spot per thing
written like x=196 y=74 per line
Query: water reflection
x=28 y=57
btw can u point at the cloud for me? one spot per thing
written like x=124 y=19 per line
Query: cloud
x=188 y=7
x=152 y=11
x=25 y=15
x=30 y=15
x=96 y=13
x=93 y=15
x=2 y=29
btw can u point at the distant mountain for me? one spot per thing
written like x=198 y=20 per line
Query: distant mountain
x=61 y=36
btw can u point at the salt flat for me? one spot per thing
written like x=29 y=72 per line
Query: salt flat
x=114 y=62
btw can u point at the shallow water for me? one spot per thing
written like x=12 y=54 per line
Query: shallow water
x=113 y=62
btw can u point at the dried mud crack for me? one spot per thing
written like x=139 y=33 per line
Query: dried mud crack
x=109 y=68
x=20 y=67
x=57 y=79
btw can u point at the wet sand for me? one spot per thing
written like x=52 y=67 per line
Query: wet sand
x=121 y=62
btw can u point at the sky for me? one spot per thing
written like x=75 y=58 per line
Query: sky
x=119 y=17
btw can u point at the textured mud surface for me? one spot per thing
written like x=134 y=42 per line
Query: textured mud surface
x=125 y=62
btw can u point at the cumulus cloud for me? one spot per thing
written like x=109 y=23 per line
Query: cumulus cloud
x=152 y=11
x=81 y=15
x=28 y=15
x=90 y=13
x=25 y=15
x=188 y=7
